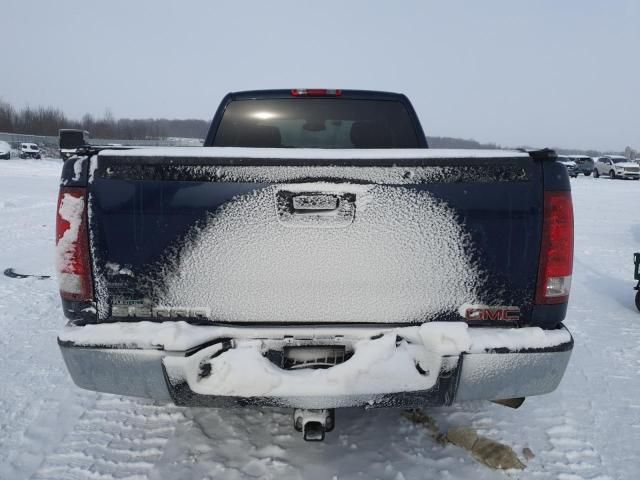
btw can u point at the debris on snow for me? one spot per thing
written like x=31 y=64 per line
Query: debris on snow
x=463 y=437
x=490 y=452
x=528 y=454
x=11 y=273
x=418 y=416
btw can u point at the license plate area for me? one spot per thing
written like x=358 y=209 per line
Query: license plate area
x=315 y=356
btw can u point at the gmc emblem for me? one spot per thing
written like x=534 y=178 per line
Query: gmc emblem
x=505 y=314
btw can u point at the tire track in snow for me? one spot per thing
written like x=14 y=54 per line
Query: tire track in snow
x=36 y=403
x=569 y=455
x=115 y=438
x=232 y=444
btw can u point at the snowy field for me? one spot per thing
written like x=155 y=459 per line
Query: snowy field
x=49 y=429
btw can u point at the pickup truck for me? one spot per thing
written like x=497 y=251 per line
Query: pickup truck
x=315 y=254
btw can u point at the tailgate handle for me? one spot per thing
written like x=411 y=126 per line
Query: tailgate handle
x=311 y=203
x=315 y=209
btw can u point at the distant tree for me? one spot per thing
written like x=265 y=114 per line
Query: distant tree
x=7 y=117
x=630 y=153
x=450 y=142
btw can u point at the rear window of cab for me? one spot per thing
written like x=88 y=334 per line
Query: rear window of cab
x=316 y=123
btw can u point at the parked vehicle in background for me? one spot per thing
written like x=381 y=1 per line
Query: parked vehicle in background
x=29 y=150
x=75 y=138
x=616 y=166
x=5 y=150
x=570 y=165
x=584 y=164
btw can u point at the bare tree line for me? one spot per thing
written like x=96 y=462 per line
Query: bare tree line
x=48 y=120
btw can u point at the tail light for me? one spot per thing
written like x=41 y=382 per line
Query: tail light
x=315 y=92
x=556 y=255
x=72 y=245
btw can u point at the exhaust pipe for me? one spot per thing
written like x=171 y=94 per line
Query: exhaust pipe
x=314 y=423
x=510 y=402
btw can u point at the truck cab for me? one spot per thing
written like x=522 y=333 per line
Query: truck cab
x=316 y=118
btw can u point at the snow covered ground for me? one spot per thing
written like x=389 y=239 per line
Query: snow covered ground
x=49 y=429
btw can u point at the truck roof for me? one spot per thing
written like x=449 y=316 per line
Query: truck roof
x=287 y=93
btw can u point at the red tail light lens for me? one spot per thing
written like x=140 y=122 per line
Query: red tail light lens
x=556 y=255
x=72 y=245
x=315 y=92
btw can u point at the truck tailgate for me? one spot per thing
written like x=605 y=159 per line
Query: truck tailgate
x=292 y=236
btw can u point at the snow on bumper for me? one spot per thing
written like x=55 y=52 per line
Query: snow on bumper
x=437 y=363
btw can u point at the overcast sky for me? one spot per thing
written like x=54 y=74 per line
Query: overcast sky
x=547 y=72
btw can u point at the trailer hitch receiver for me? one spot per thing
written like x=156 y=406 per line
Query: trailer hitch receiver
x=313 y=423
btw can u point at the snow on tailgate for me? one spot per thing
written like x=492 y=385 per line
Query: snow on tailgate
x=403 y=257
x=313 y=153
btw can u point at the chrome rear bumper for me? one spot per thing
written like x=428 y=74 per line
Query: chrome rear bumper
x=393 y=367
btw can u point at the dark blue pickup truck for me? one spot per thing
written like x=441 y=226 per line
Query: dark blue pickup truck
x=315 y=254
